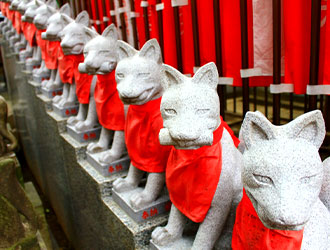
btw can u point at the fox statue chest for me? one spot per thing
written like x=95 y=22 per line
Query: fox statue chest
x=250 y=233
x=109 y=107
x=200 y=169
x=143 y=124
x=29 y=33
x=52 y=54
x=42 y=44
x=68 y=69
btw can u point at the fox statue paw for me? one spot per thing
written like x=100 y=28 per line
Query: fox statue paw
x=110 y=156
x=122 y=185
x=141 y=200
x=96 y=147
x=162 y=236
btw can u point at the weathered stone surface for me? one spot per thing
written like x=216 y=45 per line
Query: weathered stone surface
x=283 y=174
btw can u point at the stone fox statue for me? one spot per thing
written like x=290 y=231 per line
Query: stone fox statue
x=282 y=177
x=73 y=40
x=139 y=77
x=5 y=134
x=101 y=59
x=55 y=24
x=203 y=170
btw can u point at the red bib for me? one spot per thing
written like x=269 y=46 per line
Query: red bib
x=41 y=43
x=65 y=66
x=18 y=21
x=250 y=234
x=192 y=177
x=83 y=81
x=110 y=109
x=29 y=33
x=142 y=127
x=11 y=14
x=52 y=54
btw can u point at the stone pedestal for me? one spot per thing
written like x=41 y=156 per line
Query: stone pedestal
x=66 y=111
x=108 y=170
x=161 y=206
x=51 y=93
x=46 y=101
x=84 y=136
x=184 y=243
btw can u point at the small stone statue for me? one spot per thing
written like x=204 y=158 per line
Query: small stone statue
x=40 y=21
x=8 y=141
x=139 y=76
x=101 y=59
x=73 y=40
x=203 y=170
x=55 y=24
x=282 y=177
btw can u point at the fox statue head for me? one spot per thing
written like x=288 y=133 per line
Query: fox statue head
x=139 y=73
x=73 y=36
x=43 y=13
x=190 y=108
x=56 y=23
x=14 y=4
x=100 y=52
x=282 y=171
x=31 y=10
x=22 y=6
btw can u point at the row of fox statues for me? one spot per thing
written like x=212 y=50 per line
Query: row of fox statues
x=271 y=179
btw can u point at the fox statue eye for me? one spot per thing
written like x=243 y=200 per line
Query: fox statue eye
x=170 y=112
x=120 y=75
x=263 y=179
x=143 y=75
x=307 y=179
x=202 y=111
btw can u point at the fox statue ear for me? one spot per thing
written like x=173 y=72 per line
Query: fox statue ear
x=208 y=74
x=309 y=126
x=151 y=50
x=256 y=128
x=171 y=76
x=66 y=19
x=51 y=9
x=125 y=50
x=111 y=32
x=90 y=33
x=83 y=18
x=66 y=9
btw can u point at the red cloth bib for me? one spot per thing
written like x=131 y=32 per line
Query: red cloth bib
x=83 y=81
x=52 y=54
x=11 y=14
x=142 y=127
x=41 y=43
x=65 y=66
x=18 y=21
x=29 y=33
x=110 y=109
x=192 y=177
x=250 y=234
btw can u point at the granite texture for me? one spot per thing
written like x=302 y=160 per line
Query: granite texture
x=325 y=191
x=101 y=58
x=139 y=77
x=283 y=174
x=195 y=101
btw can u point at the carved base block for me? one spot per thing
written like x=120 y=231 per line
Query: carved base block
x=84 y=136
x=51 y=93
x=39 y=78
x=160 y=206
x=65 y=111
x=107 y=170
x=184 y=243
